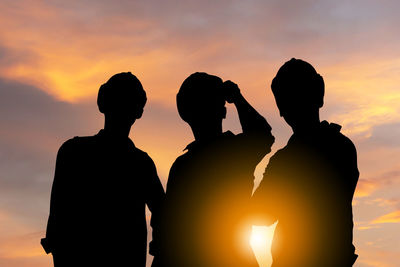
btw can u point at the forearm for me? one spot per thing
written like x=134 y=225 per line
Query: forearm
x=155 y=203
x=250 y=119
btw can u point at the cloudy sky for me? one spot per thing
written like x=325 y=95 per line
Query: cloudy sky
x=54 y=55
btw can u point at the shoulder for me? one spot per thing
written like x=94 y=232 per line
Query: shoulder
x=178 y=165
x=338 y=139
x=142 y=154
x=79 y=140
x=343 y=153
x=346 y=142
x=73 y=143
x=181 y=160
x=261 y=142
x=346 y=149
x=144 y=158
x=76 y=144
x=229 y=134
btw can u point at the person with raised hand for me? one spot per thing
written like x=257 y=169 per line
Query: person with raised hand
x=206 y=221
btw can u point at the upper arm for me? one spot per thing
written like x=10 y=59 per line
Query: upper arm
x=265 y=199
x=174 y=176
x=62 y=169
x=350 y=167
x=57 y=193
x=154 y=189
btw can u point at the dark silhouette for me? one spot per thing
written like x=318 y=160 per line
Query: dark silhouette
x=209 y=187
x=101 y=186
x=308 y=185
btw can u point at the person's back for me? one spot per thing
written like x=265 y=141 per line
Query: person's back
x=209 y=187
x=308 y=185
x=101 y=186
x=207 y=194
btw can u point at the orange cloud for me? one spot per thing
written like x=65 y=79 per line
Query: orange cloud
x=69 y=54
x=18 y=244
x=361 y=228
x=372 y=256
x=370 y=88
x=365 y=188
x=70 y=58
x=24 y=251
x=393 y=217
x=27 y=245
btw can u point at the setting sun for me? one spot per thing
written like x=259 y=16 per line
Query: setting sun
x=54 y=56
x=260 y=241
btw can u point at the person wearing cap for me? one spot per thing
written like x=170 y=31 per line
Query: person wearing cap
x=101 y=186
x=205 y=221
x=308 y=185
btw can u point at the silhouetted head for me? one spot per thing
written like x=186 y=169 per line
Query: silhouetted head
x=122 y=98
x=299 y=92
x=201 y=100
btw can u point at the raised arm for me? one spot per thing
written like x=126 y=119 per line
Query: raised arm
x=250 y=120
x=256 y=139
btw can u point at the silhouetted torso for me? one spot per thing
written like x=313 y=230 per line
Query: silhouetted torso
x=308 y=186
x=97 y=213
x=208 y=193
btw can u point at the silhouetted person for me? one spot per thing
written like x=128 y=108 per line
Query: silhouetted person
x=209 y=187
x=101 y=186
x=308 y=185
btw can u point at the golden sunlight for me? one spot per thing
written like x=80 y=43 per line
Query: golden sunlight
x=260 y=241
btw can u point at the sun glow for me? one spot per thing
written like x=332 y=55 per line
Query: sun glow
x=260 y=241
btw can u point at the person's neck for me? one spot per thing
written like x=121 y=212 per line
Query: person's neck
x=206 y=133
x=116 y=129
x=307 y=127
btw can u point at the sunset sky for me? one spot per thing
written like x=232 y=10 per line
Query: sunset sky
x=54 y=55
